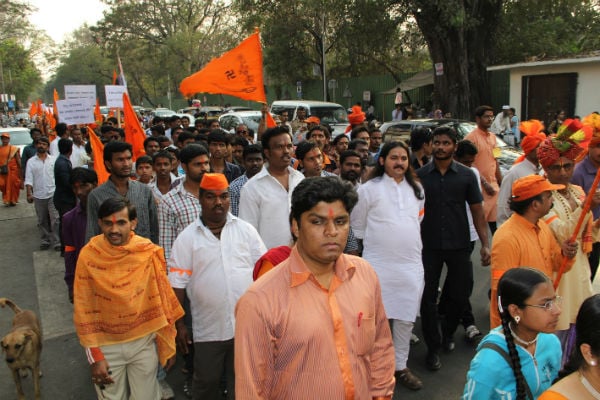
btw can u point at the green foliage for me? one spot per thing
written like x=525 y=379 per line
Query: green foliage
x=538 y=29
x=19 y=74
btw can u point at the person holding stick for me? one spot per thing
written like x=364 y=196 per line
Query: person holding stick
x=557 y=156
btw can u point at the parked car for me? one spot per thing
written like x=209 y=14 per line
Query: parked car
x=400 y=130
x=229 y=121
x=18 y=136
x=331 y=114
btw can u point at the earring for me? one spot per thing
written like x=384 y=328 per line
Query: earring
x=517 y=319
x=593 y=363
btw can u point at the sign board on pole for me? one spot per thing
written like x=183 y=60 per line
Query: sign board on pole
x=439 y=69
x=74 y=92
x=367 y=95
x=78 y=111
x=114 y=95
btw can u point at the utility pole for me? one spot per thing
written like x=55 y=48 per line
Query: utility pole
x=323 y=58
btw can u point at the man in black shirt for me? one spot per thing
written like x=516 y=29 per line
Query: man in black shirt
x=446 y=239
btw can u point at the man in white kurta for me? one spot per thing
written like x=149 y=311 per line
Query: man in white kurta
x=387 y=218
x=212 y=262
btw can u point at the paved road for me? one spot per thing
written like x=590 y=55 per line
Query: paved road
x=34 y=280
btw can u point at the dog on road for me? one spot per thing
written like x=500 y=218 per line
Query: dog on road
x=23 y=347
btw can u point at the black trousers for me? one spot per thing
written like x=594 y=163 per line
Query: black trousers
x=594 y=259
x=457 y=289
x=212 y=360
x=467 y=317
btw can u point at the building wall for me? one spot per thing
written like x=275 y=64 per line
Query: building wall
x=588 y=86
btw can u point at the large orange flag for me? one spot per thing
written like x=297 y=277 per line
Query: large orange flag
x=134 y=133
x=98 y=154
x=237 y=73
x=40 y=108
x=33 y=109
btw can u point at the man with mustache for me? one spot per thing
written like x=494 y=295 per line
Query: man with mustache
x=390 y=206
x=212 y=262
x=117 y=159
x=351 y=167
x=265 y=199
x=446 y=239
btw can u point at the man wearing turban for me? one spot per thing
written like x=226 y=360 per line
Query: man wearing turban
x=526 y=164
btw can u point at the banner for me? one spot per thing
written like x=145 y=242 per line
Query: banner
x=80 y=92
x=73 y=112
x=114 y=95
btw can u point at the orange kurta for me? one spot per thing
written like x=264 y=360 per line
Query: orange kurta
x=10 y=184
x=485 y=162
x=295 y=339
x=122 y=294
x=519 y=243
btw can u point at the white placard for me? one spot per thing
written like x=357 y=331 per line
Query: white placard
x=74 y=92
x=114 y=95
x=78 y=111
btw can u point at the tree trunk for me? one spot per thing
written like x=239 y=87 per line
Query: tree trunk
x=459 y=34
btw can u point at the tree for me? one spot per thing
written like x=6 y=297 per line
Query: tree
x=19 y=75
x=538 y=29
x=160 y=42
x=460 y=35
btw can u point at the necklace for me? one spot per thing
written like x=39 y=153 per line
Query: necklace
x=521 y=341
x=588 y=386
x=564 y=198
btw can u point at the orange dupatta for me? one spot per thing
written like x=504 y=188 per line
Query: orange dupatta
x=122 y=294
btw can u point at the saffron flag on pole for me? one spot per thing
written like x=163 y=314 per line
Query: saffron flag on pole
x=134 y=134
x=97 y=113
x=33 y=109
x=239 y=73
x=98 y=156
x=270 y=121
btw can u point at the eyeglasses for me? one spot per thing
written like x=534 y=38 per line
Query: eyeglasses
x=549 y=305
x=557 y=167
x=488 y=117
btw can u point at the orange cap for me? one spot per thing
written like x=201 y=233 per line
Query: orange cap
x=211 y=181
x=312 y=119
x=530 y=186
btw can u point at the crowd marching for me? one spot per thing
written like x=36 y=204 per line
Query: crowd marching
x=346 y=238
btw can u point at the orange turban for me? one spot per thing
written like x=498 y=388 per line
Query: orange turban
x=593 y=120
x=357 y=116
x=214 y=182
x=570 y=141
x=532 y=130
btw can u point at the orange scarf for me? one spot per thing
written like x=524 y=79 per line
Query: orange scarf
x=122 y=294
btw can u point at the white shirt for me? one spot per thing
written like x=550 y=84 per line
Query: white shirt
x=265 y=204
x=53 y=149
x=501 y=124
x=524 y=168
x=78 y=156
x=40 y=175
x=215 y=273
x=388 y=218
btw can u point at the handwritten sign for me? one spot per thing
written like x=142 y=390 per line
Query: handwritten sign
x=74 y=92
x=114 y=95
x=78 y=111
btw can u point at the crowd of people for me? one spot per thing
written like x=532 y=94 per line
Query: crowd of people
x=346 y=238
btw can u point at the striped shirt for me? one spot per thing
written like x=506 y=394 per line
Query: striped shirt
x=310 y=342
x=176 y=211
x=138 y=194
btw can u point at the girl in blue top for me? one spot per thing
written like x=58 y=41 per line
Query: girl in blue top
x=521 y=358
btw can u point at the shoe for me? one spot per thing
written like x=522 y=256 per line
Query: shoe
x=166 y=393
x=414 y=339
x=408 y=379
x=472 y=333
x=432 y=361
x=57 y=247
x=187 y=388
x=44 y=246
x=448 y=344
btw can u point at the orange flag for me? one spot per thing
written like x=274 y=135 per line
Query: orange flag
x=134 y=133
x=40 y=107
x=33 y=109
x=239 y=73
x=97 y=113
x=54 y=105
x=50 y=118
x=114 y=81
x=98 y=155
x=270 y=121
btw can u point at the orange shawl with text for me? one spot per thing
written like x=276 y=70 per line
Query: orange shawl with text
x=122 y=294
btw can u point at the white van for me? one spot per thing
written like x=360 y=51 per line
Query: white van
x=331 y=114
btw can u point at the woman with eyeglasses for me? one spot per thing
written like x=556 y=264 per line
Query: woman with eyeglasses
x=557 y=156
x=519 y=359
x=580 y=379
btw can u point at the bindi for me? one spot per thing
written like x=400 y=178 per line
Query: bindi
x=114 y=220
x=330 y=213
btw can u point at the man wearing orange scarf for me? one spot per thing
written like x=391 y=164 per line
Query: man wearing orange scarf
x=125 y=309
x=527 y=164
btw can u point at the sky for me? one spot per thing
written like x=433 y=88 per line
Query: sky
x=61 y=17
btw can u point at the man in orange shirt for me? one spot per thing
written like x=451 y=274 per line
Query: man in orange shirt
x=315 y=326
x=524 y=240
x=486 y=163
